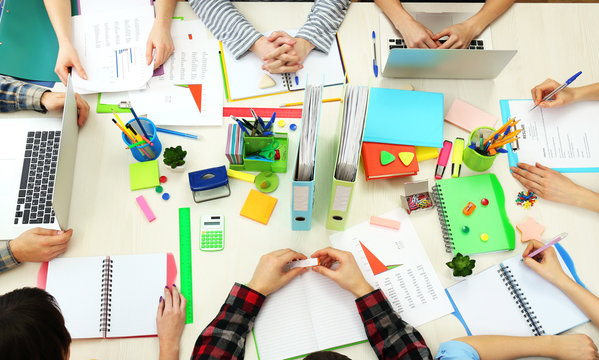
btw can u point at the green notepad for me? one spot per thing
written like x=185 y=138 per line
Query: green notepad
x=453 y=195
x=144 y=175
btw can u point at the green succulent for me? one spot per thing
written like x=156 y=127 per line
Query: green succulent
x=461 y=265
x=173 y=156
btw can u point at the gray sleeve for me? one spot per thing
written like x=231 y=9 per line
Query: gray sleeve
x=324 y=19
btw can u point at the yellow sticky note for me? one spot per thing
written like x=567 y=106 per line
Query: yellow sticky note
x=258 y=206
x=144 y=175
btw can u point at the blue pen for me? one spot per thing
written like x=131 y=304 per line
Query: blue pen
x=272 y=119
x=258 y=119
x=267 y=133
x=240 y=125
x=375 y=66
x=296 y=80
x=139 y=123
x=173 y=132
x=550 y=95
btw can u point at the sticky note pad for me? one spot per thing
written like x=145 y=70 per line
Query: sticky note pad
x=144 y=175
x=375 y=220
x=143 y=204
x=258 y=206
x=468 y=117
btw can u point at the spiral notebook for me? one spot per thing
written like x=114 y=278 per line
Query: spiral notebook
x=462 y=233
x=108 y=296
x=511 y=299
x=243 y=75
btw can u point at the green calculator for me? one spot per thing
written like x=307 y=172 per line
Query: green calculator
x=212 y=233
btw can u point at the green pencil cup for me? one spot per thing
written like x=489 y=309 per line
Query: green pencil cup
x=474 y=160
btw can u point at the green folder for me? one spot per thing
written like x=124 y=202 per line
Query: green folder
x=28 y=45
x=453 y=195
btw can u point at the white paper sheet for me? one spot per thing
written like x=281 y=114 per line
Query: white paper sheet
x=95 y=6
x=413 y=288
x=562 y=137
x=112 y=50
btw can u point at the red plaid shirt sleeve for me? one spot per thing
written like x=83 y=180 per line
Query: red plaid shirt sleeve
x=224 y=337
x=390 y=336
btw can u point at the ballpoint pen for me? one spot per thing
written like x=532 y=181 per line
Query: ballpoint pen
x=550 y=95
x=549 y=244
x=375 y=66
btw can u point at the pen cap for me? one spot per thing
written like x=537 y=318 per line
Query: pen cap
x=474 y=159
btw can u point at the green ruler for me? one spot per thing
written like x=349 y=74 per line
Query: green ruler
x=185 y=261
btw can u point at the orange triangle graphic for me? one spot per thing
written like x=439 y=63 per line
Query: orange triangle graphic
x=375 y=264
x=196 y=92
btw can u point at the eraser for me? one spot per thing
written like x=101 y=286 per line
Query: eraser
x=379 y=221
x=141 y=200
x=303 y=263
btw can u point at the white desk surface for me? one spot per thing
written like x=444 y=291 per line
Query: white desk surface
x=107 y=220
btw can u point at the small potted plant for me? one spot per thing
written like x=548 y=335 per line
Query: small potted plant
x=461 y=265
x=174 y=158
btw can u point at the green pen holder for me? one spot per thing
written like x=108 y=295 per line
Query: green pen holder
x=473 y=159
x=253 y=144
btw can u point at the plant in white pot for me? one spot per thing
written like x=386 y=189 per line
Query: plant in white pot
x=174 y=158
x=461 y=265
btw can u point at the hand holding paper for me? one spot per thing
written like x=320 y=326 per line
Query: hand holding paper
x=270 y=276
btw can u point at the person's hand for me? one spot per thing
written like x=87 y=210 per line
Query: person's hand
x=347 y=275
x=574 y=347
x=545 y=263
x=39 y=245
x=459 y=36
x=55 y=101
x=547 y=183
x=170 y=321
x=279 y=61
x=270 y=276
x=160 y=44
x=67 y=57
x=266 y=45
x=416 y=35
x=566 y=96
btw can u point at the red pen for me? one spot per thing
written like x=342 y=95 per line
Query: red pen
x=443 y=157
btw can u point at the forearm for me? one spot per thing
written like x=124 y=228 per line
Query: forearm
x=169 y=352
x=394 y=11
x=589 y=92
x=323 y=21
x=490 y=11
x=18 y=95
x=164 y=10
x=7 y=260
x=226 y=24
x=59 y=12
x=587 y=199
x=494 y=346
x=584 y=299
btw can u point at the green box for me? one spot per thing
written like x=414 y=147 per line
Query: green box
x=252 y=145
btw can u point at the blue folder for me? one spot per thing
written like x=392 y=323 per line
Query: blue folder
x=513 y=156
x=404 y=117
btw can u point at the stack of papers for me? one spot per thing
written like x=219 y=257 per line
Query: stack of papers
x=356 y=99
x=307 y=145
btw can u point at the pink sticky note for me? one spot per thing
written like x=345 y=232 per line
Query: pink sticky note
x=375 y=220
x=468 y=117
x=141 y=200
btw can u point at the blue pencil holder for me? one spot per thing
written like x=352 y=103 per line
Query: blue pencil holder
x=144 y=127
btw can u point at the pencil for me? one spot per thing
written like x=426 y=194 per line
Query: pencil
x=549 y=244
x=301 y=103
x=130 y=137
x=138 y=122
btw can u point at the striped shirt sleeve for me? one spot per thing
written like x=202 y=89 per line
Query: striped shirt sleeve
x=18 y=95
x=7 y=260
x=324 y=19
x=227 y=24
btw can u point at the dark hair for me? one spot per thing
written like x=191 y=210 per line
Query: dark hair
x=31 y=326
x=326 y=355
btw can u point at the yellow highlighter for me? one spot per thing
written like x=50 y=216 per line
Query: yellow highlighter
x=458 y=152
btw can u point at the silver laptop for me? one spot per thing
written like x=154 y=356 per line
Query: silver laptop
x=37 y=162
x=479 y=61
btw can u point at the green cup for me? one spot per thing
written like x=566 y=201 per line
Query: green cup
x=474 y=160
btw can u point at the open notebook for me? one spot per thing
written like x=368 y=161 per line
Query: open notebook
x=243 y=75
x=511 y=299
x=108 y=296
x=309 y=314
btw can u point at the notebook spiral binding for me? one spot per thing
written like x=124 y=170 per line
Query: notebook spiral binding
x=529 y=315
x=105 y=300
x=445 y=225
x=287 y=80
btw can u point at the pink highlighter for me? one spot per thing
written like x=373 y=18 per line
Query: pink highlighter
x=442 y=161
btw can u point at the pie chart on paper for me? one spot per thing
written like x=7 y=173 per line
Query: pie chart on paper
x=376 y=265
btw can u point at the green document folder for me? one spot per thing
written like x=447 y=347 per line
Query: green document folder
x=453 y=195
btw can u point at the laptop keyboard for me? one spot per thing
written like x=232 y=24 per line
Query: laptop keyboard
x=400 y=44
x=34 y=205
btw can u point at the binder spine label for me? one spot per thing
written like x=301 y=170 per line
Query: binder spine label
x=445 y=225
x=105 y=300
x=287 y=80
x=529 y=315
x=301 y=198
x=341 y=199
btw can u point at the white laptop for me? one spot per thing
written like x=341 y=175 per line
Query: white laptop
x=37 y=161
x=479 y=61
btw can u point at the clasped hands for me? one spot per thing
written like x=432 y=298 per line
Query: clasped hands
x=416 y=35
x=281 y=53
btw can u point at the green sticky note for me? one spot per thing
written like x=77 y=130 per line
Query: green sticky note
x=144 y=175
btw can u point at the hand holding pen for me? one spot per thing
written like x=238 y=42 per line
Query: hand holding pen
x=550 y=88
x=546 y=263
